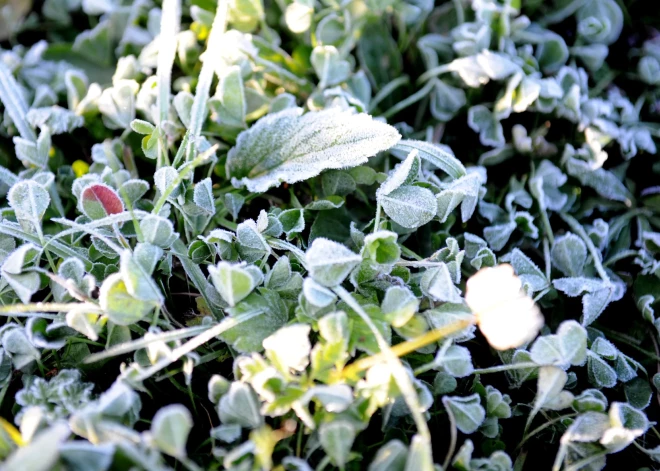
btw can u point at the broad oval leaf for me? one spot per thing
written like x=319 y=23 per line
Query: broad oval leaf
x=119 y=305
x=29 y=200
x=569 y=254
x=337 y=438
x=233 y=282
x=170 y=428
x=290 y=146
x=410 y=206
x=98 y=201
x=468 y=412
x=330 y=262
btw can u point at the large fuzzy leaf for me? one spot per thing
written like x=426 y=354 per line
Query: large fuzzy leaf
x=290 y=146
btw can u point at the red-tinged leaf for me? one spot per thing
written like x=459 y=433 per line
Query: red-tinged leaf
x=98 y=201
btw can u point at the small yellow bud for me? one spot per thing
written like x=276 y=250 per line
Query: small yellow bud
x=80 y=168
x=51 y=152
x=200 y=30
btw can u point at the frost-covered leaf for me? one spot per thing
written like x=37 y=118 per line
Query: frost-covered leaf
x=234 y=202
x=292 y=220
x=463 y=191
x=290 y=146
x=29 y=200
x=329 y=262
x=98 y=201
x=567 y=347
x=121 y=307
x=431 y=153
x=569 y=254
x=498 y=404
x=550 y=392
x=42 y=453
x=603 y=181
x=399 y=305
x=24 y=283
x=337 y=438
x=289 y=347
x=170 y=428
x=132 y=190
x=203 y=196
x=530 y=274
x=404 y=173
x=158 y=231
x=317 y=294
x=468 y=412
x=410 y=206
x=230 y=101
x=259 y=315
x=596 y=295
x=117 y=104
x=545 y=183
x=240 y=406
x=600 y=373
x=381 y=248
x=57 y=119
x=498 y=235
x=483 y=121
x=600 y=21
x=390 y=456
x=330 y=68
x=454 y=360
x=446 y=101
x=233 y=281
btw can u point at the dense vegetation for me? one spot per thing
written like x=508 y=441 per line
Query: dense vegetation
x=329 y=234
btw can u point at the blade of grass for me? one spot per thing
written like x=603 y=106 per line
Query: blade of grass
x=199 y=111
x=137 y=344
x=14 y=102
x=169 y=29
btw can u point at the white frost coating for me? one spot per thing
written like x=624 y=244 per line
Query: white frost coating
x=58 y=120
x=169 y=29
x=329 y=262
x=289 y=347
x=209 y=61
x=464 y=190
x=399 y=175
x=410 y=206
x=291 y=147
x=14 y=101
x=433 y=153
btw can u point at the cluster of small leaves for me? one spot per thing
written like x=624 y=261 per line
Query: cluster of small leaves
x=237 y=234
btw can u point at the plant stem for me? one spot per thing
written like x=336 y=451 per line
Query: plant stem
x=195 y=343
x=544 y=426
x=548 y=259
x=199 y=112
x=414 y=98
x=452 y=438
x=595 y=254
x=377 y=218
x=405 y=348
x=15 y=309
x=578 y=465
x=500 y=368
x=398 y=371
x=387 y=91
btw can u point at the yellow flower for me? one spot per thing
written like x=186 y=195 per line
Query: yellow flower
x=80 y=168
x=506 y=316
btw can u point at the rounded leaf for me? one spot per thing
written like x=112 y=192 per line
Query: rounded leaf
x=170 y=428
x=98 y=201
